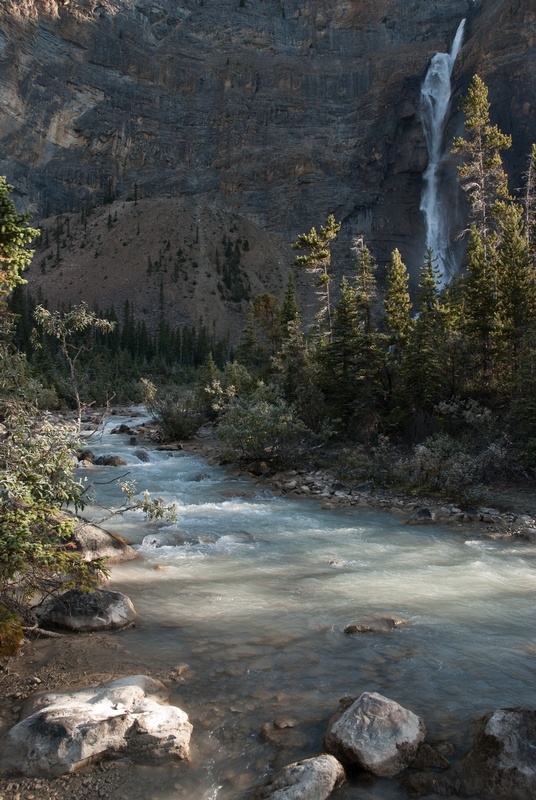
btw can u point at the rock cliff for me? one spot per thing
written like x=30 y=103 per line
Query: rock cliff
x=278 y=111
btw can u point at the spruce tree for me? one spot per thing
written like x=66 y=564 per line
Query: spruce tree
x=289 y=309
x=341 y=359
x=516 y=286
x=14 y=235
x=317 y=263
x=482 y=175
x=397 y=306
x=423 y=369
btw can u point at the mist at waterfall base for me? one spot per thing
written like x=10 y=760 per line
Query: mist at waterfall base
x=255 y=602
x=435 y=103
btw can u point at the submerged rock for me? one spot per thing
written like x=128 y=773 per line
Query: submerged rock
x=66 y=730
x=312 y=779
x=375 y=734
x=101 y=610
x=376 y=623
x=285 y=737
x=164 y=539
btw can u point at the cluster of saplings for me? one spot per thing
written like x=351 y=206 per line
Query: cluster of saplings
x=435 y=393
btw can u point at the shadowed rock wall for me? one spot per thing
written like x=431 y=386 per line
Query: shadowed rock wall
x=280 y=110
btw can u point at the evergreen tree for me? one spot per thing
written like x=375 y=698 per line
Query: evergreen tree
x=397 y=306
x=482 y=175
x=341 y=365
x=246 y=352
x=289 y=309
x=516 y=286
x=14 y=235
x=423 y=369
x=317 y=263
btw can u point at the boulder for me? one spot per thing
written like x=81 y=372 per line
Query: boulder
x=375 y=734
x=375 y=623
x=101 y=610
x=164 y=539
x=142 y=454
x=501 y=764
x=422 y=517
x=86 y=455
x=312 y=779
x=93 y=542
x=65 y=730
x=124 y=429
x=110 y=461
x=198 y=477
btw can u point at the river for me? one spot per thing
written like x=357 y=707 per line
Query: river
x=251 y=617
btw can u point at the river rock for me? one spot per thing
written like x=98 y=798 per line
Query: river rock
x=65 y=730
x=142 y=454
x=93 y=542
x=375 y=734
x=286 y=737
x=375 y=623
x=422 y=517
x=86 y=455
x=501 y=764
x=101 y=610
x=164 y=539
x=110 y=461
x=312 y=779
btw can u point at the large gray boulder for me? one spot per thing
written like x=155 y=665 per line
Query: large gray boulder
x=501 y=764
x=92 y=611
x=375 y=734
x=312 y=779
x=93 y=542
x=66 y=730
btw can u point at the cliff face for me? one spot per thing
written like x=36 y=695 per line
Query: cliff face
x=279 y=111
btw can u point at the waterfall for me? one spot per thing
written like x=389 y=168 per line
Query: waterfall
x=435 y=101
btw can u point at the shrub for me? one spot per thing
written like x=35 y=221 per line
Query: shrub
x=262 y=426
x=178 y=411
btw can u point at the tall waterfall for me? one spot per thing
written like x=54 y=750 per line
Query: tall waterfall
x=435 y=100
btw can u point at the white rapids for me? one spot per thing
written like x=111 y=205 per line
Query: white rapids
x=254 y=603
x=435 y=102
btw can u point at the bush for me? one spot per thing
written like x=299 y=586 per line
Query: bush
x=261 y=427
x=178 y=412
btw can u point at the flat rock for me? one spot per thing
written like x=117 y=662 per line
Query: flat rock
x=375 y=623
x=501 y=764
x=92 y=611
x=63 y=731
x=93 y=542
x=375 y=734
x=312 y=779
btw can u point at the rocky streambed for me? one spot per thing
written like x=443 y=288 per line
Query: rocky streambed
x=258 y=614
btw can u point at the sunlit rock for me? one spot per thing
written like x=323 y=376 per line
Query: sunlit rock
x=374 y=733
x=312 y=779
x=66 y=730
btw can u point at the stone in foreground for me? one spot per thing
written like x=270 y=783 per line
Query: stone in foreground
x=312 y=779
x=501 y=763
x=101 y=610
x=375 y=734
x=67 y=730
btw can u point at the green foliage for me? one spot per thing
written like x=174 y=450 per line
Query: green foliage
x=36 y=479
x=289 y=309
x=397 y=305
